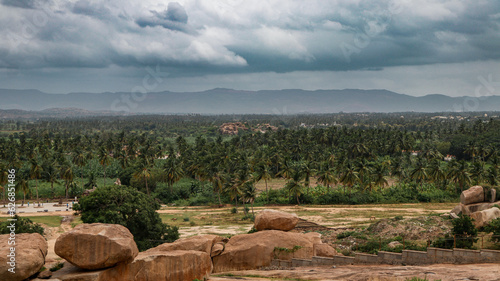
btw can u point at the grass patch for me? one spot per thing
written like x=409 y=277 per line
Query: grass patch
x=52 y=221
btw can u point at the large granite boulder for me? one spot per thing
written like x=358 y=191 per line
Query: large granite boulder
x=474 y=194
x=324 y=250
x=155 y=265
x=275 y=220
x=482 y=218
x=202 y=243
x=251 y=251
x=97 y=245
x=30 y=252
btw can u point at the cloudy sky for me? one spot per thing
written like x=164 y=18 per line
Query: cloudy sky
x=413 y=47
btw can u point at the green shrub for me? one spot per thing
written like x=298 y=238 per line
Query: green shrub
x=234 y=210
x=23 y=225
x=494 y=227
x=131 y=208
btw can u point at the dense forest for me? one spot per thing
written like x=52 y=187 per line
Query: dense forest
x=320 y=159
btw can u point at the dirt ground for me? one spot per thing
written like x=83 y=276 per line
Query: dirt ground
x=444 y=272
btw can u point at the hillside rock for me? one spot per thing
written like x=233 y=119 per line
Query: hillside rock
x=482 y=218
x=275 y=220
x=217 y=249
x=474 y=194
x=160 y=265
x=314 y=237
x=30 y=252
x=493 y=195
x=251 y=251
x=202 y=243
x=97 y=245
x=324 y=250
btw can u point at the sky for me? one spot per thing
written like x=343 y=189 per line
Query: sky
x=411 y=47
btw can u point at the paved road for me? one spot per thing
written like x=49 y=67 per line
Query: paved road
x=34 y=208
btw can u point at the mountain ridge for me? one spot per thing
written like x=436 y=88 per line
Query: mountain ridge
x=230 y=101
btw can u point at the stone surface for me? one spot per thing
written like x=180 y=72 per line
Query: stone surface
x=474 y=194
x=275 y=220
x=30 y=252
x=97 y=245
x=251 y=251
x=324 y=250
x=493 y=195
x=394 y=244
x=460 y=209
x=482 y=218
x=476 y=207
x=45 y=274
x=314 y=237
x=203 y=243
x=155 y=265
x=217 y=249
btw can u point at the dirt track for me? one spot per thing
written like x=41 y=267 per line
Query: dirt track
x=444 y=272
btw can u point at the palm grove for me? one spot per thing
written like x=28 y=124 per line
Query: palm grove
x=184 y=159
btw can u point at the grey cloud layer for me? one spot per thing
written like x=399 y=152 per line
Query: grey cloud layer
x=198 y=37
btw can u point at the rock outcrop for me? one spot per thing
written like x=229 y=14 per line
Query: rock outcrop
x=202 y=243
x=97 y=245
x=324 y=250
x=275 y=220
x=251 y=251
x=30 y=252
x=162 y=265
x=474 y=194
x=482 y=218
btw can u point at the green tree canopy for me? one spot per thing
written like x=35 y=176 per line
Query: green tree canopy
x=131 y=208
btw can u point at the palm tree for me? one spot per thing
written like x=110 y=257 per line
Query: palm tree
x=349 y=177
x=79 y=161
x=307 y=171
x=460 y=173
x=143 y=172
x=67 y=176
x=35 y=173
x=91 y=182
x=326 y=176
x=419 y=172
x=51 y=174
x=217 y=180
x=22 y=185
x=294 y=187
x=478 y=172
x=379 y=172
x=262 y=172
x=173 y=172
x=286 y=170
x=249 y=194
x=436 y=172
x=104 y=160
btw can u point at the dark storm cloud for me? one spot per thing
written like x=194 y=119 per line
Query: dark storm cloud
x=237 y=36
x=85 y=7
x=174 y=18
x=27 y=4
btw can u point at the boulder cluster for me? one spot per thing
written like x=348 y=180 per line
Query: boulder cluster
x=474 y=203
x=107 y=252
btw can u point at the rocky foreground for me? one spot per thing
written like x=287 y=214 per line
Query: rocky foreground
x=107 y=252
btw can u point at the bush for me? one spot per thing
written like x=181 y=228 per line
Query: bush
x=494 y=227
x=128 y=207
x=463 y=235
x=234 y=210
x=23 y=225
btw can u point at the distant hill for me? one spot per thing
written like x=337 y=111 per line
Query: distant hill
x=228 y=101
